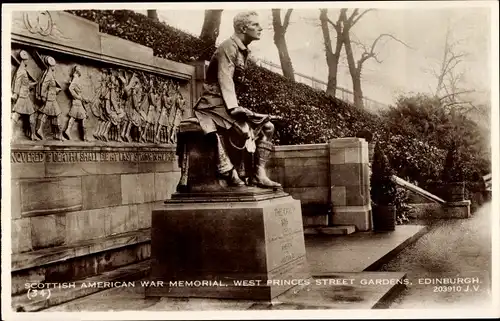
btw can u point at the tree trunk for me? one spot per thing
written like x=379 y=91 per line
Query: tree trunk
x=210 y=32
x=211 y=26
x=353 y=70
x=332 y=59
x=280 y=42
x=356 y=88
x=153 y=14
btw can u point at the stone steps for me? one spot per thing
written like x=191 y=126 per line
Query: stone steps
x=31 y=301
x=330 y=230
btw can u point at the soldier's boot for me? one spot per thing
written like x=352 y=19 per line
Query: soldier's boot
x=225 y=168
x=262 y=155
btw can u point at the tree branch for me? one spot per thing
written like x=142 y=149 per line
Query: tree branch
x=456 y=94
x=286 y=21
x=332 y=23
x=353 y=15
x=391 y=36
x=361 y=16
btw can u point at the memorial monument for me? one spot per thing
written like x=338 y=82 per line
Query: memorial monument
x=228 y=224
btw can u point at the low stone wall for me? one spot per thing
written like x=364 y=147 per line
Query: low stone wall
x=331 y=180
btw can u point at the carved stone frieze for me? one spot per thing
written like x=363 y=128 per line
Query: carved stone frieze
x=92 y=101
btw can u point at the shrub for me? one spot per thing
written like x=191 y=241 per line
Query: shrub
x=383 y=189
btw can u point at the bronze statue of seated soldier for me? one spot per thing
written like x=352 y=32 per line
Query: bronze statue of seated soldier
x=241 y=139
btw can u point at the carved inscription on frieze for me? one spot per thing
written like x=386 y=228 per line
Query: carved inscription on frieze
x=89 y=156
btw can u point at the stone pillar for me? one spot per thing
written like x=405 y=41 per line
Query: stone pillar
x=350 y=183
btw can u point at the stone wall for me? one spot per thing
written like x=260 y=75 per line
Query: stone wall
x=82 y=198
x=331 y=180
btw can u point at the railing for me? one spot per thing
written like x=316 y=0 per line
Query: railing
x=414 y=188
x=341 y=93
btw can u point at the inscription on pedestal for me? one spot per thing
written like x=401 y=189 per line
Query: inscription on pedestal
x=284 y=234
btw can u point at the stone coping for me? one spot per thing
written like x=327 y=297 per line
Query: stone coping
x=300 y=147
x=49 y=145
x=26 y=260
x=84 y=40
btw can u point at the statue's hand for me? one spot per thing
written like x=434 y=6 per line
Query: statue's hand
x=241 y=112
x=14 y=97
x=275 y=118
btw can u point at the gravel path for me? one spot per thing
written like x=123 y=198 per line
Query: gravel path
x=451 y=249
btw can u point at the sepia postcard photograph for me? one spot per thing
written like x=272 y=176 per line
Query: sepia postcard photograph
x=250 y=160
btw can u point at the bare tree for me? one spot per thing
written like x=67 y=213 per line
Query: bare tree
x=355 y=67
x=332 y=58
x=153 y=14
x=449 y=77
x=210 y=31
x=280 y=41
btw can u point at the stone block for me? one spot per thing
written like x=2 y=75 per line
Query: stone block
x=85 y=225
x=123 y=49
x=43 y=196
x=156 y=167
x=48 y=230
x=313 y=162
x=227 y=241
x=345 y=174
x=339 y=195
x=15 y=199
x=21 y=235
x=331 y=230
x=359 y=216
x=315 y=220
x=310 y=194
x=308 y=151
x=138 y=188
x=346 y=142
x=306 y=176
x=165 y=184
x=101 y=191
x=460 y=209
x=356 y=195
x=120 y=219
x=144 y=213
x=83 y=33
x=353 y=155
x=27 y=170
x=337 y=156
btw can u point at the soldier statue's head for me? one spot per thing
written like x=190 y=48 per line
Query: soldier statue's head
x=247 y=27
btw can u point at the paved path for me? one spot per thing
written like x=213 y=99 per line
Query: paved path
x=451 y=249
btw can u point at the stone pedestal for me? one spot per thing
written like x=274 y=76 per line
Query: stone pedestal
x=240 y=245
x=460 y=209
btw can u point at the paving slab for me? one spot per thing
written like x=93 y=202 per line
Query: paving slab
x=359 y=251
